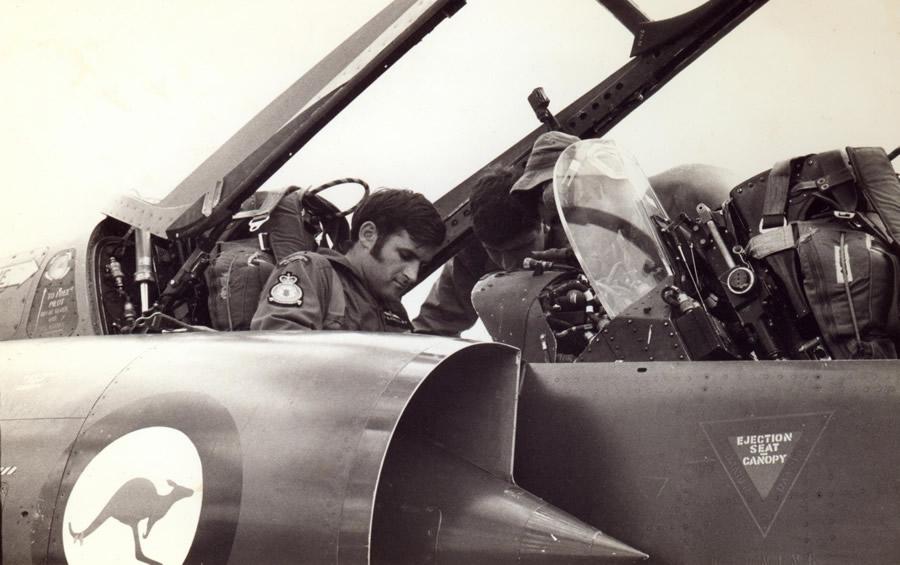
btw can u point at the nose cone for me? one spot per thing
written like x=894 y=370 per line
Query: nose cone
x=436 y=507
x=553 y=536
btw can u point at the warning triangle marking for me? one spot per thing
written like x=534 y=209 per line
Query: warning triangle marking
x=765 y=461
x=763 y=458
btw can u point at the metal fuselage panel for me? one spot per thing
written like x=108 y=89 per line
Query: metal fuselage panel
x=44 y=291
x=47 y=390
x=721 y=462
x=263 y=447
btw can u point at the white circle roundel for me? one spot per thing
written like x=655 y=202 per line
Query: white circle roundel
x=138 y=501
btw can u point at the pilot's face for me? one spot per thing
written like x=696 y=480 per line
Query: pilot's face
x=392 y=266
x=510 y=254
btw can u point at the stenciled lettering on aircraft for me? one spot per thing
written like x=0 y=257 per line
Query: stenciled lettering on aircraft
x=765 y=449
x=763 y=457
x=54 y=311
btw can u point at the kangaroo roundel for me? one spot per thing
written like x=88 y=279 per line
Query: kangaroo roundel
x=137 y=501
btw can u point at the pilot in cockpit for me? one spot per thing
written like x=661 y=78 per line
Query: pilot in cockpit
x=393 y=232
x=515 y=215
x=512 y=216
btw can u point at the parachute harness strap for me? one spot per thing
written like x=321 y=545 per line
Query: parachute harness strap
x=845 y=271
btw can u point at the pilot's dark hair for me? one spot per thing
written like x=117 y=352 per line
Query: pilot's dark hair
x=396 y=209
x=497 y=215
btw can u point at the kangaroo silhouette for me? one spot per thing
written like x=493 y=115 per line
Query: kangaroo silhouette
x=135 y=500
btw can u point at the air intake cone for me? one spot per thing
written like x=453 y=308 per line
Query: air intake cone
x=435 y=507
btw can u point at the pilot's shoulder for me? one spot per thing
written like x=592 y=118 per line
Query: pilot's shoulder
x=306 y=260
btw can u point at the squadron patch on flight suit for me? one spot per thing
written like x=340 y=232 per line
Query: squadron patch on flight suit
x=286 y=292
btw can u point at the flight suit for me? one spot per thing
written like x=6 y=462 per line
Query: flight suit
x=448 y=309
x=323 y=291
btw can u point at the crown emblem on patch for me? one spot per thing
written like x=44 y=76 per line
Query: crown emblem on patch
x=286 y=292
x=288 y=278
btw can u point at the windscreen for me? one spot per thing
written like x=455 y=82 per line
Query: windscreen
x=605 y=203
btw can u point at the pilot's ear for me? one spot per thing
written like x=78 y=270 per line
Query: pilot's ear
x=368 y=234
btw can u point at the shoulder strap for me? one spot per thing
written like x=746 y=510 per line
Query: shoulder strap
x=837 y=178
x=881 y=188
x=777 y=188
x=271 y=200
x=337 y=303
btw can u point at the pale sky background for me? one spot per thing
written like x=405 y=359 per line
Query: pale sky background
x=103 y=97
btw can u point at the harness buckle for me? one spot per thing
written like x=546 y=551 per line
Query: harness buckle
x=784 y=224
x=258 y=221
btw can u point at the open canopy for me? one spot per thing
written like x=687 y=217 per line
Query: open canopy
x=210 y=194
